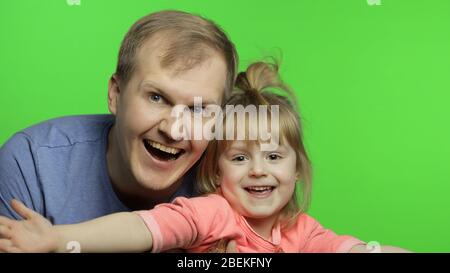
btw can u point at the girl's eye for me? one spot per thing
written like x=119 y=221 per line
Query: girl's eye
x=274 y=157
x=155 y=98
x=238 y=158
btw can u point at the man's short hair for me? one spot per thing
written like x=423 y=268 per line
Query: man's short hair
x=190 y=38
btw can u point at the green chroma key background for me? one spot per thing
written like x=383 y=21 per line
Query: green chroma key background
x=372 y=81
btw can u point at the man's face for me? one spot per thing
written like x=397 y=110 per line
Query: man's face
x=143 y=116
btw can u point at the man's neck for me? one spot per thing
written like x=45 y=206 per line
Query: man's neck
x=129 y=191
x=142 y=200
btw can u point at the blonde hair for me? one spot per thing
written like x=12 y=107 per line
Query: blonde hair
x=256 y=86
x=189 y=37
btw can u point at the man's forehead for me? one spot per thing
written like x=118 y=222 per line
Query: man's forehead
x=162 y=50
x=198 y=80
x=151 y=51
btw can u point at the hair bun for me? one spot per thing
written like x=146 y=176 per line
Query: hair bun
x=242 y=81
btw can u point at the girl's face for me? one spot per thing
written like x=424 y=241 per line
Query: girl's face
x=257 y=184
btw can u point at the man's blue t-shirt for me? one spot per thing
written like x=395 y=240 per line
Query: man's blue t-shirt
x=58 y=168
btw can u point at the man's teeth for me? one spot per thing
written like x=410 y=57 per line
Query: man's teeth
x=163 y=148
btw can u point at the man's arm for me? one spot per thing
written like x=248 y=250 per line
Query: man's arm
x=120 y=232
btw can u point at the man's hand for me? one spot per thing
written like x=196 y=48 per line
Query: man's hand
x=33 y=234
x=224 y=246
x=231 y=247
x=370 y=248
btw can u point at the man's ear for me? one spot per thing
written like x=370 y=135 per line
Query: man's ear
x=113 y=94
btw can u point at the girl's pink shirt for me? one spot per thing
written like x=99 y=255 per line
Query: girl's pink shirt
x=198 y=224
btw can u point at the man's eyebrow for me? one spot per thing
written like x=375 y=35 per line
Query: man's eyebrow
x=206 y=102
x=170 y=98
x=158 y=90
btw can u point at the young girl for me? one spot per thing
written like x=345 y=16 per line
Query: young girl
x=250 y=196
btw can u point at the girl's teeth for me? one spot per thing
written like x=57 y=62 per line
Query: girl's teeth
x=259 y=188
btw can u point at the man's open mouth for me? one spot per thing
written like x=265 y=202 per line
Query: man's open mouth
x=162 y=152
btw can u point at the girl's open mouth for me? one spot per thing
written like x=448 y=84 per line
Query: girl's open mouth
x=260 y=191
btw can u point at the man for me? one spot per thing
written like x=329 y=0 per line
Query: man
x=73 y=169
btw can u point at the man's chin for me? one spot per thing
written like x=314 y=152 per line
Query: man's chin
x=152 y=185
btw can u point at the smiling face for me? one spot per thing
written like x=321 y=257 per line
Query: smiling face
x=257 y=184
x=143 y=153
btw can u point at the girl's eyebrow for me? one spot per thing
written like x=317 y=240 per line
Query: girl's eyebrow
x=231 y=150
x=234 y=149
x=237 y=146
x=281 y=148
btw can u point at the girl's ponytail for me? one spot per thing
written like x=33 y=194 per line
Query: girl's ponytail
x=260 y=76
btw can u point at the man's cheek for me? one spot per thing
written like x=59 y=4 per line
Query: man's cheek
x=199 y=146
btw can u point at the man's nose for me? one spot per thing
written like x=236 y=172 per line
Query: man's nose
x=165 y=127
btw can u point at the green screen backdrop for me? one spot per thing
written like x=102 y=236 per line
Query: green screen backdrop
x=373 y=83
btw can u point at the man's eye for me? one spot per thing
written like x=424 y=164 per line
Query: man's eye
x=155 y=98
x=197 y=109
x=238 y=158
x=274 y=156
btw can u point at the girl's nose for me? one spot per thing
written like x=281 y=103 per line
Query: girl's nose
x=257 y=169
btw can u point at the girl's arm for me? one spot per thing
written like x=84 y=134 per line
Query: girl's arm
x=120 y=232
